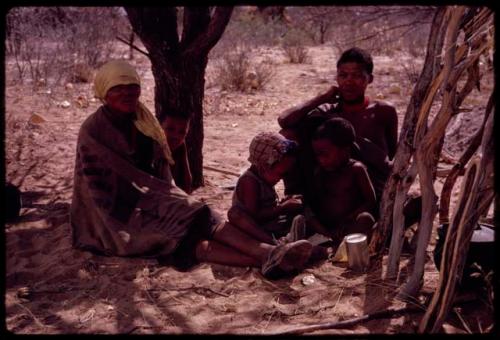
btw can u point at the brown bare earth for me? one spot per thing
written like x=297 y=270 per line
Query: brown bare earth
x=70 y=291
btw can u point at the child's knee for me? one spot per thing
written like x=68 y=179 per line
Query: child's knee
x=365 y=222
x=202 y=249
x=235 y=214
x=365 y=218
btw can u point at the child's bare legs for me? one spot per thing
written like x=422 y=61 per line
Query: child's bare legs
x=231 y=246
x=215 y=252
x=242 y=242
x=240 y=219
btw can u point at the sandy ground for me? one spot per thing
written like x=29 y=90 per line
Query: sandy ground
x=71 y=291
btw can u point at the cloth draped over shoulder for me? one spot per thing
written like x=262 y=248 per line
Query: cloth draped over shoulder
x=118 y=209
x=119 y=72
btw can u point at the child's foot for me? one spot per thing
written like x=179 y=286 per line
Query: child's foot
x=286 y=258
x=319 y=253
x=298 y=229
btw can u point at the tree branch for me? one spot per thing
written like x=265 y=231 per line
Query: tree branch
x=195 y=22
x=204 y=42
x=157 y=27
x=133 y=46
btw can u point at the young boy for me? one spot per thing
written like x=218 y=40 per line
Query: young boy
x=256 y=209
x=344 y=196
x=176 y=126
x=375 y=122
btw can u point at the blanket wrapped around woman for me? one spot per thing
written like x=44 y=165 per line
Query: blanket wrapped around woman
x=125 y=201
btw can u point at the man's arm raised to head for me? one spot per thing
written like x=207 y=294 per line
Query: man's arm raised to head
x=291 y=117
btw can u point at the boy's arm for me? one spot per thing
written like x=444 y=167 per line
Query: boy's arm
x=188 y=178
x=366 y=189
x=291 y=117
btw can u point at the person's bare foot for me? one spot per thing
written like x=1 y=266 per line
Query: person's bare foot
x=319 y=253
x=287 y=258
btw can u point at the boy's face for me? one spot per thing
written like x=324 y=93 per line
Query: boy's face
x=176 y=129
x=352 y=80
x=278 y=170
x=328 y=155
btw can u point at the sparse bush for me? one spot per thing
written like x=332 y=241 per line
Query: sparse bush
x=49 y=44
x=293 y=45
x=235 y=72
x=296 y=54
x=412 y=72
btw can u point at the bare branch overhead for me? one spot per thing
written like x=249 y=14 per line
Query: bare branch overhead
x=204 y=42
x=147 y=20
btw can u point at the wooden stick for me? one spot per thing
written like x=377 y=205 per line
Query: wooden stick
x=348 y=323
x=388 y=313
x=132 y=46
x=227 y=172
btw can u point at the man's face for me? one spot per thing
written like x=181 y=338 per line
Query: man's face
x=352 y=80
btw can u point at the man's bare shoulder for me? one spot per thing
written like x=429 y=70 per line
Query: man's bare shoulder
x=382 y=106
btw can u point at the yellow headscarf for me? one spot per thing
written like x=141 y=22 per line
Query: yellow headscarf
x=119 y=72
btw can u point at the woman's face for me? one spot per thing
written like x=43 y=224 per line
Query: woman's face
x=123 y=98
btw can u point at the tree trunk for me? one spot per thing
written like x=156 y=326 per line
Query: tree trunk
x=178 y=65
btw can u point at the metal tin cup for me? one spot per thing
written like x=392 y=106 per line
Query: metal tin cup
x=357 y=252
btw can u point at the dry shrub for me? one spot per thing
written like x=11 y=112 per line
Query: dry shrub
x=296 y=54
x=412 y=72
x=48 y=45
x=293 y=45
x=235 y=72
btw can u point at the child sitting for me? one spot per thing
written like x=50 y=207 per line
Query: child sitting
x=344 y=196
x=176 y=126
x=255 y=208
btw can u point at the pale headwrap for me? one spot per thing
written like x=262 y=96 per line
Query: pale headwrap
x=119 y=72
x=267 y=148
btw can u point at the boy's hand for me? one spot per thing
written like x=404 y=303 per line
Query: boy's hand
x=331 y=96
x=291 y=205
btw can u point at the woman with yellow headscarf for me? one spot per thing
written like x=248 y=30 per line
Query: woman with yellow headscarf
x=125 y=202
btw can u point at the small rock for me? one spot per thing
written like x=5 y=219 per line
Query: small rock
x=308 y=280
x=25 y=293
x=37 y=119
x=65 y=104
x=395 y=89
x=69 y=86
x=82 y=101
x=380 y=95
